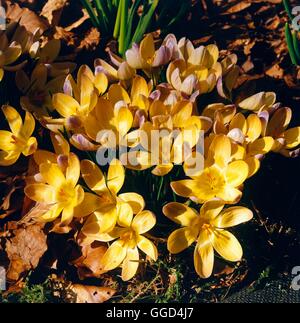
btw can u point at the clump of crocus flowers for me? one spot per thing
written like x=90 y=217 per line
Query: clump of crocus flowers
x=116 y=107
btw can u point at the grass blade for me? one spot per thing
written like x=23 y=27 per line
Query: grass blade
x=89 y=8
x=131 y=16
x=102 y=13
x=296 y=45
x=144 y=23
x=123 y=25
x=289 y=40
x=287 y=8
x=118 y=21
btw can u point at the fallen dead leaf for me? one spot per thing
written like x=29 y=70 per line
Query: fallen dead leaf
x=27 y=18
x=241 y=5
x=25 y=249
x=89 y=264
x=92 y=294
x=52 y=11
x=275 y=71
x=91 y=40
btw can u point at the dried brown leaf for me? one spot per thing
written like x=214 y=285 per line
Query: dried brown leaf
x=25 y=249
x=89 y=264
x=27 y=18
x=240 y=6
x=92 y=294
x=91 y=40
x=275 y=71
x=52 y=11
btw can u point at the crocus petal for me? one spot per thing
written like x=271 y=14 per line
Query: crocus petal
x=257 y=101
x=147 y=49
x=130 y=264
x=12 y=54
x=65 y=105
x=60 y=144
x=181 y=239
x=227 y=245
x=52 y=214
x=254 y=127
x=13 y=118
x=237 y=173
x=279 y=122
x=220 y=150
x=136 y=201
x=185 y=188
x=137 y=160
x=52 y=174
x=253 y=166
x=6 y=140
x=73 y=169
x=189 y=84
x=101 y=82
x=115 y=176
x=162 y=56
x=260 y=146
x=117 y=93
x=44 y=156
x=204 y=255
x=175 y=79
x=31 y=147
x=29 y=125
x=139 y=87
x=108 y=217
x=83 y=143
x=41 y=193
x=143 y=222
x=162 y=170
x=93 y=176
x=211 y=209
x=125 y=72
x=114 y=256
x=182 y=111
x=7 y=159
x=239 y=122
x=50 y=51
x=148 y=247
x=67 y=215
x=133 y=57
x=232 y=217
x=125 y=214
x=86 y=92
x=124 y=120
x=90 y=204
x=180 y=213
x=230 y=195
x=292 y=137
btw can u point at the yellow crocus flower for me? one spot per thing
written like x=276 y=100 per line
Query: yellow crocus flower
x=195 y=69
x=112 y=203
x=108 y=118
x=19 y=140
x=137 y=99
x=170 y=119
x=75 y=104
x=207 y=228
x=48 y=55
x=9 y=53
x=128 y=238
x=286 y=140
x=58 y=188
x=220 y=178
x=262 y=101
x=38 y=90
